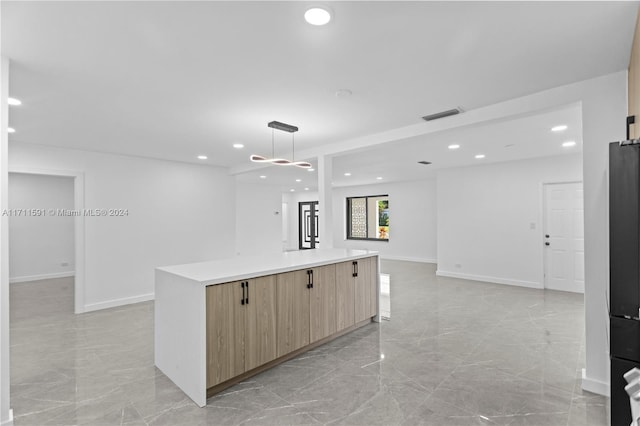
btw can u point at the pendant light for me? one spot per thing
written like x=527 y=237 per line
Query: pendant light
x=281 y=161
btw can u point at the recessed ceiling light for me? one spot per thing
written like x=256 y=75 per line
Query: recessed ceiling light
x=569 y=144
x=292 y=190
x=347 y=174
x=238 y=145
x=454 y=146
x=479 y=156
x=306 y=189
x=14 y=101
x=379 y=178
x=263 y=177
x=317 y=16
x=343 y=93
x=311 y=170
x=560 y=128
x=202 y=157
x=11 y=130
x=298 y=180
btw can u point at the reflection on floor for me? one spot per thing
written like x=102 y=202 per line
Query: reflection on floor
x=455 y=352
x=385 y=296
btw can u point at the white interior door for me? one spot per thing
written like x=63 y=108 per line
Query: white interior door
x=564 y=237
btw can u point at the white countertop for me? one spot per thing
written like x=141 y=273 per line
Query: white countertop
x=245 y=267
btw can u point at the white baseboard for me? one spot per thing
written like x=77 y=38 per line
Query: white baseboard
x=495 y=280
x=408 y=259
x=9 y=421
x=595 y=386
x=118 y=302
x=26 y=278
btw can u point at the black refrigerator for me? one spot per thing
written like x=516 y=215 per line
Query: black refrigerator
x=624 y=258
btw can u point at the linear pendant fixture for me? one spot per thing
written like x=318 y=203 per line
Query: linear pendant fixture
x=442 y=114
x=281 y=161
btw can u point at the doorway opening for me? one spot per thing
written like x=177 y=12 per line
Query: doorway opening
x=564 y=236
x=307 y=225
x=46 y=243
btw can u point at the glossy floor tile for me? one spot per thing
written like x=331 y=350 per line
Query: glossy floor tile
x=454 y=352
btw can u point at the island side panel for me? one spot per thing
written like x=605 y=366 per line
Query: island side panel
x=180 y=333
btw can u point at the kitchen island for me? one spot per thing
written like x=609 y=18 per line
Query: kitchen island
x=220 y=322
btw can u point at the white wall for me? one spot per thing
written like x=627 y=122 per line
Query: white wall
x=485 y=216
x=6 y=415
x=39 y=246
x=412 y=219
x=604 y=108
x=177 y=213
x=258 y=219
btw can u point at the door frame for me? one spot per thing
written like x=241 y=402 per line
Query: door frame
x=78 y=204
x=543 y=221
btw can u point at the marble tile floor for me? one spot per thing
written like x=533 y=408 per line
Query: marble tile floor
x=455 y=352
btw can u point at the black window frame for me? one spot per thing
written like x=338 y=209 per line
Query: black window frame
x=348 y=216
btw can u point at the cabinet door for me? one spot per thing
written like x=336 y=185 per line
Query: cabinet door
x=322 y=304
x=260 y=326
x=293 y=311
x=373 y=286
x=345 y=295
x=362 y=289
x=225 y=332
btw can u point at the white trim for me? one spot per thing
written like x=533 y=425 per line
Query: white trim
x=408 y=259
x=78 y=204
x=26 y=278
x=595 y=386
x=496 y=280
x=118 y=302
x=9 y=421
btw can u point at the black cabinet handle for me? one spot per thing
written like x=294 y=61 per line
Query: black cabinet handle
x=547 y=244
x=355 y=268
x=311 y=274
x=308 y=278
x=242 y=300
x=546 y=236
x=246 y=300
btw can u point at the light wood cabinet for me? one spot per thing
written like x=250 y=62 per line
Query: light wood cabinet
x=371 y=283
x=260 y=322
x=365 y=288
x=253 y=322
x=293 y=311
x=241 y=327
x=225 y=332
x=373 y=286
x=345 y=295
x=357 y=286
x=322 y=303
x=220 y=322
x=306 y=307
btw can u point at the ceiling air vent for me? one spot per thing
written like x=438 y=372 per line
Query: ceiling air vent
x=442 y=114
x=426 y=163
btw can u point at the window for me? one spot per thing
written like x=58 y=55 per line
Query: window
x=368 y=218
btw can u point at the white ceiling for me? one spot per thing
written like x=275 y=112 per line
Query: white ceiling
x=508 y=140
x=173 y=80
